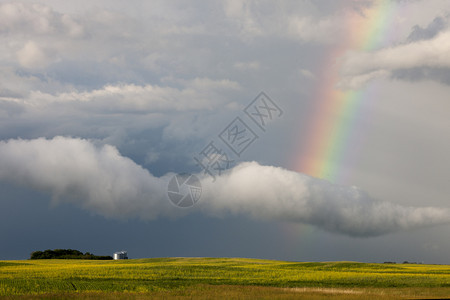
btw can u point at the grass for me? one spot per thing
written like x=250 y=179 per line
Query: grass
x=207 y=278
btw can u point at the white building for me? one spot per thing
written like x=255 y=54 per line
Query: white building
x=120 y=255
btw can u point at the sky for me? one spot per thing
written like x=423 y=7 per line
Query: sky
x=306 y=130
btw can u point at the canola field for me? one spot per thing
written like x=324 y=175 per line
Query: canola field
x=207 y=278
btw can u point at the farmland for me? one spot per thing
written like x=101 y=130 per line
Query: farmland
x=219 y=277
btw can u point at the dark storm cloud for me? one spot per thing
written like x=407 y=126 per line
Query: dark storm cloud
x=419 y=33
x=441 y=75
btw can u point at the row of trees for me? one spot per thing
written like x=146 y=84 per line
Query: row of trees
x=66 y=254
x=405 y=262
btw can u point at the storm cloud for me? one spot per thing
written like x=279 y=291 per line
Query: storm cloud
x=100 y=101
x=101 y=180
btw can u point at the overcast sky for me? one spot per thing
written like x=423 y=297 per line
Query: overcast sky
x=103 y=102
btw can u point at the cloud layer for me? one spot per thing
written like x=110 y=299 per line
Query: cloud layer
x=425 y=48
x=74 y=170
x=101 y=180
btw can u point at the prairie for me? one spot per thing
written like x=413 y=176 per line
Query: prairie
x=207 y=278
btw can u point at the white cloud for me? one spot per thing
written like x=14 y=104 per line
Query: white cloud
x=357 y=81
x=32 y=56
x=361 y=66
x=247 y=65
x=29 y=19
x=265 y=192
x=101 y=180
x=74 y=170
x=242 y=13
x=327 y=29
x=307 y=73
x=197 y=94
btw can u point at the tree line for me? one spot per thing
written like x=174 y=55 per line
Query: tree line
x=66 y=254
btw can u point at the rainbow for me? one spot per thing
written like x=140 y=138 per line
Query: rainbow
x=332 y=128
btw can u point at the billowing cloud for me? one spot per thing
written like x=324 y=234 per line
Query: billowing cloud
x=358 y=67
x=74 y=170
x=266 y=192
x=179 y=109
x=101 y=180
x=199 y=94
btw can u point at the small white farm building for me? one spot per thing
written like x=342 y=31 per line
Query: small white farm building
x=120 y=255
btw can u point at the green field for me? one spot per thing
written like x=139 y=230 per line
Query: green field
x=207 y=278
